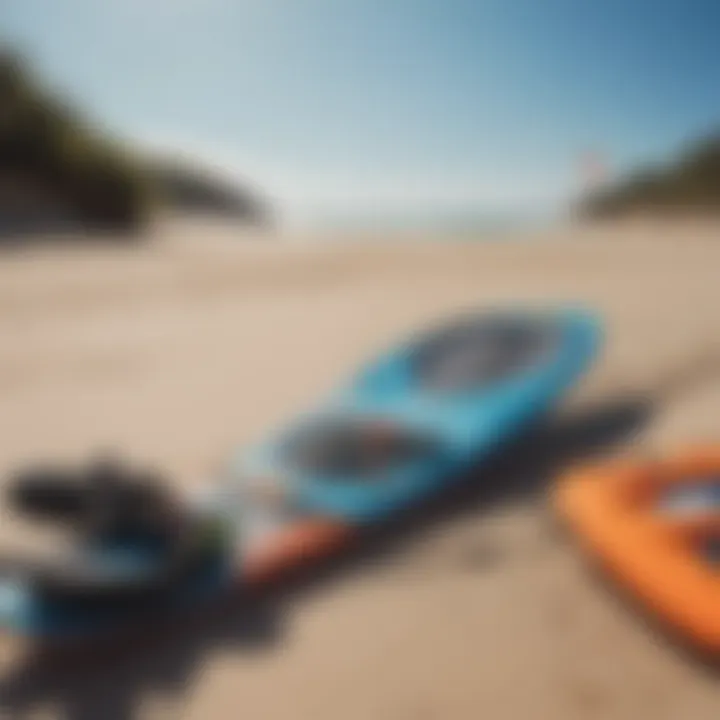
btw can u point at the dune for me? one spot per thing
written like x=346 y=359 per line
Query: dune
x=179 y=351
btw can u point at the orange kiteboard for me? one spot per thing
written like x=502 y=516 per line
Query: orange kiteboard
x=655 y=527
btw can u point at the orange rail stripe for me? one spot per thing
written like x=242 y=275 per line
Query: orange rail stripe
x=299 y=544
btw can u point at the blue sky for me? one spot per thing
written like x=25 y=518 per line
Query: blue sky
x=338 y=105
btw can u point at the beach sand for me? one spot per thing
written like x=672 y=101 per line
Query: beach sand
x=179 y=352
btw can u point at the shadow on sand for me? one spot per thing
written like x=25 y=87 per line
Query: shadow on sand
x=116 y=688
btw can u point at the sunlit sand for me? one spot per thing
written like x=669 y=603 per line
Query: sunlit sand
x=178 y=352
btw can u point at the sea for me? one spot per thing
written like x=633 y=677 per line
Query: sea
x=446 y=226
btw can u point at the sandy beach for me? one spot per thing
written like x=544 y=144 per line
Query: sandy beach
x=178 y=352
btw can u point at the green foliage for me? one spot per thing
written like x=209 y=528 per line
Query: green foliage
x=186 y=187
x=691 y=183
x=44 y=143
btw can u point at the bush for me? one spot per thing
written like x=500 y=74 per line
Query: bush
x=691 y=183
x=44 y=142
